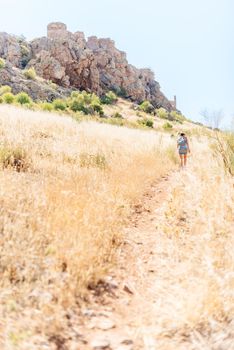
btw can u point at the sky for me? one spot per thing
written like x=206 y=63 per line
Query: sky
x=189 y=44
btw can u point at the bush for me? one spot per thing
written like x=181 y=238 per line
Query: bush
x=15 y=158
x=2 y=63
x=86 y=103
x=109 y=98
x=120 y=91
x=4 y=89
x=146 y=122
x=25 y=55
x=59 y=105
x=97 y=108
x=75 y=94
x=30 y=73
x=1 y=99
x=162 y=113
x=117 y=115
x=146 y=107
x=46 y=106
x=167 y=126
x=23 y=98
x=77 y=104
x=8 y=98
x=149 y=123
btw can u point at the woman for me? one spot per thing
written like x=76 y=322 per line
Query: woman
x=183 y=148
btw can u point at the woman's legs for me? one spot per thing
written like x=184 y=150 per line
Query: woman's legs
x=183 y=160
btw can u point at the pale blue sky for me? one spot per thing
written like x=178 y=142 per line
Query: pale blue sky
x=188 y=43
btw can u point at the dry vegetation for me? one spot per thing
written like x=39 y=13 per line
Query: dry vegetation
x=195 y=259
x=66 y=193
x=66 y=190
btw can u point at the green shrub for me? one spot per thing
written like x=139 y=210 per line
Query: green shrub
x=1 y=99
x=93 y=160
x=59 y=105
x=15 y=158
x=4 y=89
x=30 y=73
x=117 y=115
x=77 y=104
x=162 y=113
x=25 y=55
x=149 y=123
x=86 y=103
x=146 y=107
x=120 y=91
x=97 y=108
x=23 y=98
x=167 y=126
x=75 y=94
x=2 y=63
x=8 y=98
x=46 y=106
x=88 y=98
x=109 y=98
x=146 y=122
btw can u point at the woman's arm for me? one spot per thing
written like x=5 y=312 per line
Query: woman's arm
x=188 y=145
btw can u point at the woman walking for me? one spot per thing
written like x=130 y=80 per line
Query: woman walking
x=183 y=148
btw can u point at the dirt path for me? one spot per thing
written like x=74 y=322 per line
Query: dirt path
x=160 y=293
x=123 y=318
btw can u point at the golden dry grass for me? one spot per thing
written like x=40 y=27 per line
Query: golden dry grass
x=195 y=260
x=182 y=273
x=62 y=213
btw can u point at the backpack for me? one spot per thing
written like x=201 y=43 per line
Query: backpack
x=182 y=142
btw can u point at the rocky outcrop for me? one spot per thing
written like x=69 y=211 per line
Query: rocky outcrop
x=71 y=61
x=38 y=89
x=15 y=49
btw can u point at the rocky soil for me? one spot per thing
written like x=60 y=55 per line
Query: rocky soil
x=72 y=61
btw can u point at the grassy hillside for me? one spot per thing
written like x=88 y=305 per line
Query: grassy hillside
x=67 y=190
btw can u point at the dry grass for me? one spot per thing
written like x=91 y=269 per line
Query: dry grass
x=61 y=220
x=196 y=260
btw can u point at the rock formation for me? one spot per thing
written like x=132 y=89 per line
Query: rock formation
x=38 y=89
x=71 y=61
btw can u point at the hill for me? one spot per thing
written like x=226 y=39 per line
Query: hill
x=105 y=243
x=72 y=62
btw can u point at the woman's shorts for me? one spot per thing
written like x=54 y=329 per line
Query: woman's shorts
x=183 y=151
